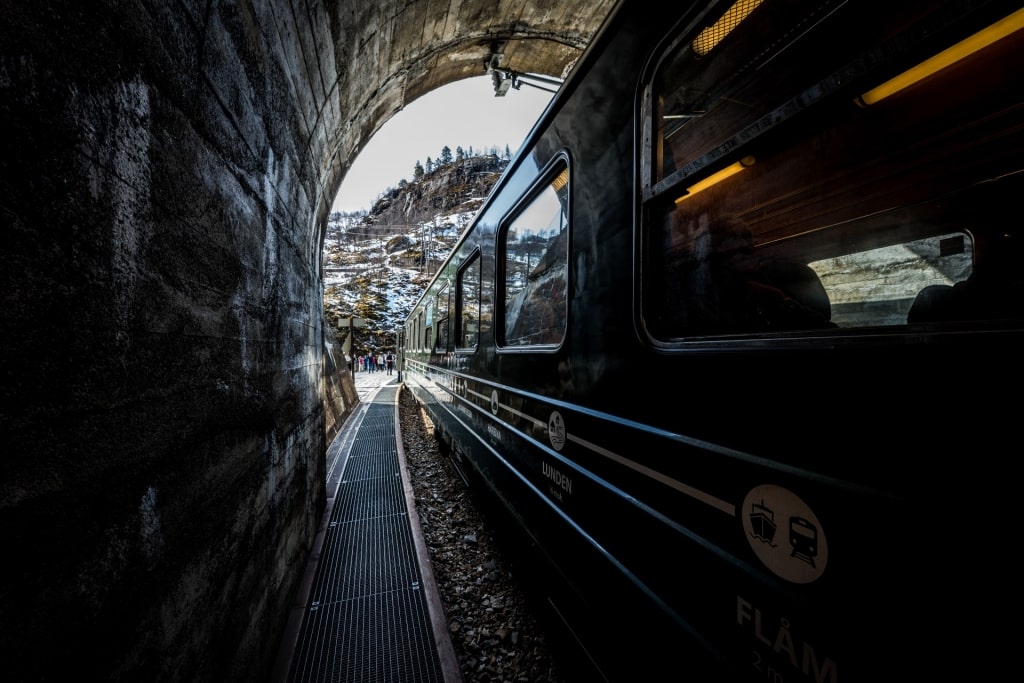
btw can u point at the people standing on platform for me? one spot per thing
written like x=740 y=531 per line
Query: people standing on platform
x=390 y=360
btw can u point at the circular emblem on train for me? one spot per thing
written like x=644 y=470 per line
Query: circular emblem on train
x=784 y=533
x=556 y=430
x=494 y=401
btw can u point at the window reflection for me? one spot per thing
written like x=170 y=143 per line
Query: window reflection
x=535 y=249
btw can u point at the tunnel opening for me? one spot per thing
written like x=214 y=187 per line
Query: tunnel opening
x=410 y=193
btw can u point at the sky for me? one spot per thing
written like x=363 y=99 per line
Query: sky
x=463 y=114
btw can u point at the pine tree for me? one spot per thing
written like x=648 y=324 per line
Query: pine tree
x=446 y=156
x=417 y=171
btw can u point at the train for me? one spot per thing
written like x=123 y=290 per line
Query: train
x=734 y=343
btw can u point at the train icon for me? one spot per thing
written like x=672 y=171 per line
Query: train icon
x=803 y=538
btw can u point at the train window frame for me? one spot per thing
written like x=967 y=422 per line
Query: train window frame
x=469 y=301
x=443 y=309
x=710 y=191
x=418 y=331
x=428 y=325
x=554 y=181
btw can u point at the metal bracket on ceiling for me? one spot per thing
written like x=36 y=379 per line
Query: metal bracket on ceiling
x=505 y=79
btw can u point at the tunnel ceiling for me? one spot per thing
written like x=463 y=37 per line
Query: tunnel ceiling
x=375 y=58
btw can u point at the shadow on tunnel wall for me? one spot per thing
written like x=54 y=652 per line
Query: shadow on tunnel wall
x=165 y=400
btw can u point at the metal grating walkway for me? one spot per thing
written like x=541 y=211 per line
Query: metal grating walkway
x=368 y=617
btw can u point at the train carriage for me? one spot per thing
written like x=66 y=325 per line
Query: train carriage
x=735 y=340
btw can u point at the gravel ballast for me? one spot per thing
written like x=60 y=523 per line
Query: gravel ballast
x=497 y=635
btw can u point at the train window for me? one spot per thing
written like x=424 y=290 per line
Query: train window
x=428 y=327
x=468 y=304
x=777 y=201
x=535 y=251
x=441 y=342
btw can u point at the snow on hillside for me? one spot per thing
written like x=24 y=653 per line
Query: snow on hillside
x=377 y=273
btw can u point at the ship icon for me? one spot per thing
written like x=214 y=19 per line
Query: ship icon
x=762 y=523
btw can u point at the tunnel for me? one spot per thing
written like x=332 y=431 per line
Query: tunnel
x=169 y=389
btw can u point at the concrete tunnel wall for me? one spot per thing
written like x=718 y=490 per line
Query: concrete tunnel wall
x=167 y=172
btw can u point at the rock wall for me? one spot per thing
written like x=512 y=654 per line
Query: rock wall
x=162 y=465
x=460 y=186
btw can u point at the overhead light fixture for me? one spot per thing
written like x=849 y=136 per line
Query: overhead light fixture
x=711 y=36
x=502 y=82
x=947 y=57
x=540 y=81
x=505 y=78
x=715 y=178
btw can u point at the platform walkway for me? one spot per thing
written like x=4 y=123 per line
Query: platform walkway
x=368 y=610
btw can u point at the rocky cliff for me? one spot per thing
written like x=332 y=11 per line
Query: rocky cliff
x=375 y=266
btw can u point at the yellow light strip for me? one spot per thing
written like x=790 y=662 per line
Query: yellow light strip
x=707 y=39
x=950 y=55
x=716 y=178
x=561 y=180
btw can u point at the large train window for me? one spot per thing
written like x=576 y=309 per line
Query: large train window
x=785 y=193
x=441 y=341
x=428 y=327
x=534 y=248
x=468 y=304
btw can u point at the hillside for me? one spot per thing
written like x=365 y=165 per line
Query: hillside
x=376 y=265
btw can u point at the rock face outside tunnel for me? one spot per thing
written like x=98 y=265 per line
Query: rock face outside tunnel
x=167 y=172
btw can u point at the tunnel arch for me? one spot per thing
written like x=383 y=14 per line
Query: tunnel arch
x=167 y=174
x=546 y=42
